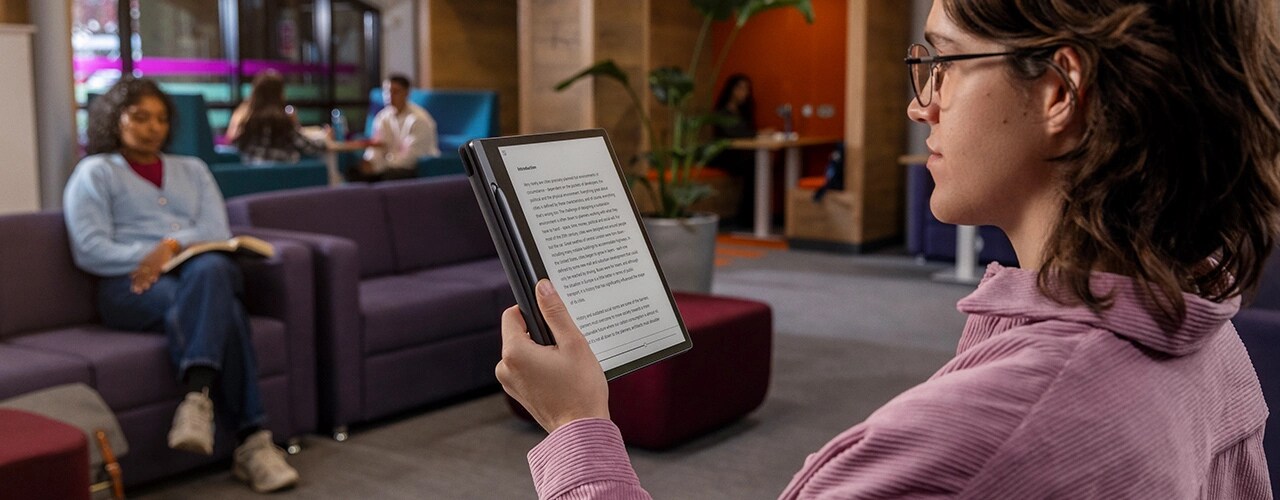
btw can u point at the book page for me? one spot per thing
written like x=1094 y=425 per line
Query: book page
x=592 y=247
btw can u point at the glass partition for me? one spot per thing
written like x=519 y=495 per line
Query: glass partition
x=326 y=50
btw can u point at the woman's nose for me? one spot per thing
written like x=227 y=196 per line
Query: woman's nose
x=922 y=114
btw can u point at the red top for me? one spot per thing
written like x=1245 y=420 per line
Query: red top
x=153 y=172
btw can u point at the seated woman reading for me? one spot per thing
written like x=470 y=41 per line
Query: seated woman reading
x=129 y=209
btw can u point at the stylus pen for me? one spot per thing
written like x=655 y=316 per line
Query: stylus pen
x=538 y=326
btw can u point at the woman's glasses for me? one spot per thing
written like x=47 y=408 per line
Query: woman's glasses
x=924 y=69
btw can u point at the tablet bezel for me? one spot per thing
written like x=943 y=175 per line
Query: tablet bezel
x=490 y=169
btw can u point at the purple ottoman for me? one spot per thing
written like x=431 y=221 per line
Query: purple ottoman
x=723 y=378
x=41 y=458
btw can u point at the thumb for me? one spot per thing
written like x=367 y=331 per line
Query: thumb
x=555 y=312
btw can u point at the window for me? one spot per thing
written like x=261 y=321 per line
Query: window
x=326 y=50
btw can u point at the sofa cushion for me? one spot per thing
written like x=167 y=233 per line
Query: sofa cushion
x=23 y=370
x=131 y=369
x=42 y=288
x=401 y=311
x=353 y=212
x=486 y=273
x=435 y=222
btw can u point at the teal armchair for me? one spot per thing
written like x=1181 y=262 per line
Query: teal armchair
x=191 y=135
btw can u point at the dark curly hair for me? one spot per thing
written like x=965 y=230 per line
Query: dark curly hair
x=1175 y=181
x=105 y=110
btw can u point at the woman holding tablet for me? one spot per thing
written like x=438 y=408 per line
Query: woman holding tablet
x=1128 y=148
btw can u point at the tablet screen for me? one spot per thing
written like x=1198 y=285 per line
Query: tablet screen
x=581 y=219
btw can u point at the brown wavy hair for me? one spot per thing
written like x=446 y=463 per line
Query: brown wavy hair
x=1175 y=181
x=103 y=126
x=267 y=123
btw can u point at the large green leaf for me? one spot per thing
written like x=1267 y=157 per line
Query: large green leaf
x=670 y=85
x=753 y=7
x=606 y=68
x=718 y=9
x=708 y=151
x=687 y=194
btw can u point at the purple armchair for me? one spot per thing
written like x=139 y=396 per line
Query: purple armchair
x=49 y=336
x=409 y=291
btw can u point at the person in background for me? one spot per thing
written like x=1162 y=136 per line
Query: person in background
x=1129 y=149
x=264 y=132
x=737 y=103
x=736 y=106
x=129 y=208
x=402 y=133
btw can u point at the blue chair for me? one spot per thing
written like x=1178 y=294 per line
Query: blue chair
x=1259 y=329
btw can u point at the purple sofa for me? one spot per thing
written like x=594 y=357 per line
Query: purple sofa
x=49 y=336
x=1259 y=328
x=409 y=291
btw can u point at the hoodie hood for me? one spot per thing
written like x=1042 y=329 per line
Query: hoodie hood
x=1012 y=293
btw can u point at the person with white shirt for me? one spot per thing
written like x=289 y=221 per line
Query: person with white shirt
x=402 y=133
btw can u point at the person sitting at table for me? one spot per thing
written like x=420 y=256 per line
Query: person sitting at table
x=264 y=132
x=402 y=133
x=736 y=103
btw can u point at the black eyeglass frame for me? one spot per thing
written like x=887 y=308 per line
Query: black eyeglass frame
x=933 y=62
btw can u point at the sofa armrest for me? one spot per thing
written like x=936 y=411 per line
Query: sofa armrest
x=282 y=287
x=339 y=331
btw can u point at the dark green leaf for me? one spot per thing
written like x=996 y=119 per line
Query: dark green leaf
x=606 y=68
x=706 y=152
x=718 y=9
x=670 y=85
x=754 y=7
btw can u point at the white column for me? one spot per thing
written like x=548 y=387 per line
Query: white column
x=19 y=179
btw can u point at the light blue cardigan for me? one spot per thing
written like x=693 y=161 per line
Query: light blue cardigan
x=115 y=217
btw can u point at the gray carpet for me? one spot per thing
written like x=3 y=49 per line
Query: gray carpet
x=852 y=333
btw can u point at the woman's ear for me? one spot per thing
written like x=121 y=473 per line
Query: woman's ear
x=1064 y=94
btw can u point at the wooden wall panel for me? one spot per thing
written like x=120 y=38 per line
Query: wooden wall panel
x=875 y=127
x=674 y=26
x=556 y=40
x=14 y=12
x=472 y=44
x=621 y=34
x=884 y=105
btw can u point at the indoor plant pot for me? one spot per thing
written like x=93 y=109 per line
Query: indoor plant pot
x=686 y=249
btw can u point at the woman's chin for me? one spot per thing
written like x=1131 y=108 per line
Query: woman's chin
x=950 y=213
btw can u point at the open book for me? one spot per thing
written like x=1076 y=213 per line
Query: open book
x=242 y=244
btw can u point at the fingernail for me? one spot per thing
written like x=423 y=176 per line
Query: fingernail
x=545 y=289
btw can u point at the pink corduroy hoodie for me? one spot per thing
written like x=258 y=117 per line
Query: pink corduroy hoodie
x=1041 y=401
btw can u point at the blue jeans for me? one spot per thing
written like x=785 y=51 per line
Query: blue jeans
x=197 y=306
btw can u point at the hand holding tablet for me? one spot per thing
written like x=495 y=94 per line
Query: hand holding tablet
x=557 y=207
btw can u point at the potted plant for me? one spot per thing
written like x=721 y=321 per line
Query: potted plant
x=683 y=240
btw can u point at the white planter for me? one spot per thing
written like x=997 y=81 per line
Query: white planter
x=686 y=250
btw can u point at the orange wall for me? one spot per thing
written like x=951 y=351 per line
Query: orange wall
x=790 y=61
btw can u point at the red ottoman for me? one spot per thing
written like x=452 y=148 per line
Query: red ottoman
x=723 y=378
x=42 y=458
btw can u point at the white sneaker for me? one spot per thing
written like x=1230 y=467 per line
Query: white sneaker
x=192 y=429
x=261 y=463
